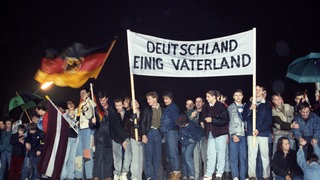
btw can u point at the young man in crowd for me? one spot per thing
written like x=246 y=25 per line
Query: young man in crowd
x=151 y=137
x=261 y=133
x=170 y=130
x=238 y=139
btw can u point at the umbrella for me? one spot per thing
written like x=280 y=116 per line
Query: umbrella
x=22 y=102
x=305 y=69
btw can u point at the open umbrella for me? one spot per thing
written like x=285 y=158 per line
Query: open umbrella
x=305 y=69
x=22 y=102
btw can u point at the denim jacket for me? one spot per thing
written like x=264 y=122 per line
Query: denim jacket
x=192 y=133
x=311 y=171
x=308 y=129
x=236 y=125
x=169 y=116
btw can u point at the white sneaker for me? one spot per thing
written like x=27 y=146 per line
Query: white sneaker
x=236 y=178
x=123 y=176
x=116 y=177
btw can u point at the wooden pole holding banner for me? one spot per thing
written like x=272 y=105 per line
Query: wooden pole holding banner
x=133 y=97
x=254 y=84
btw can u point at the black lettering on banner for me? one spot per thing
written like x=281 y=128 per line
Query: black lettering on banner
x=183 y=48
x=246 y=60
x=215 y=48
x=176 y=66
x=158 y=48
x=224 y=63
x=150 y=47
x=200 y=49
x=200 y=64
x=184 y=65
x=144 y=62
x=192 y=63
x=235 y=61
x=233 y=45
x=207 y=64
x=190 y=49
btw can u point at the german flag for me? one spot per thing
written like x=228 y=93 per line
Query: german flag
x=73 y=67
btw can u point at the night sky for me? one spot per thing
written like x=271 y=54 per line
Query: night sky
x=286 y=30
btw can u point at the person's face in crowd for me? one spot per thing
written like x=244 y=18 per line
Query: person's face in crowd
x=35 y=119
x=210 y=98
x=277 y=101
x=260 y=92
x=2 y=127
x=222 y=98
x=8 y=125
x=305 y=112
x=301 y=98
x=126 y=103
x=20 y=132
x=40 y=112
x=152 y=101
x=104 y=102
x=237 y=97
x=285 y=145
x=32 y=131
x=119 y=106
x=84 y=95
x=189 y=105
x=199 y=103
x=70 y=105
x=167 y=100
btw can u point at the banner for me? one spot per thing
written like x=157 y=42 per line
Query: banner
x=224 y=56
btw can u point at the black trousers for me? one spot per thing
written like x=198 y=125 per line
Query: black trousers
x=103 y=162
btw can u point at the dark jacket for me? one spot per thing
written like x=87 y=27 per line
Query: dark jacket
x=190 y=134
x=102 y=133
x=283 y=166
x=146 y=118
x=117 y=132
x=220 y=119
x=168 y=118
x=18 y=149
x=36 y=141
x=263 y=118
x=129 y=125
x=5 y=145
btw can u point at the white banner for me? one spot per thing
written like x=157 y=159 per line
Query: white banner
x=224 y=56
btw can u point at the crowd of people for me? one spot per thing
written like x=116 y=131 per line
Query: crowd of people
x=117 y=139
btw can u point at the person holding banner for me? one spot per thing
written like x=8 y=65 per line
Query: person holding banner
x=151 y=137
x=258 y=138
x=170 y=130
x=216 y=119
x=136 y=164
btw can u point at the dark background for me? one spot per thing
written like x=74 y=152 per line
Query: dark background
x=286 y=30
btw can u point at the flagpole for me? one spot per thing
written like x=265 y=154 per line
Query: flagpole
x=71 y=125
x=135 y=121
x=107 y=53
x=92 y=98
x=24 y=111
x=254 y=84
